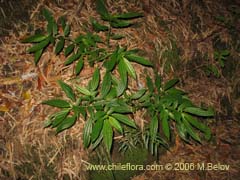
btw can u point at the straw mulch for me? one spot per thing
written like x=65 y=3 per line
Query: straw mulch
x=28 y=151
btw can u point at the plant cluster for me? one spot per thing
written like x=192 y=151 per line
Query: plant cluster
x=106 y=103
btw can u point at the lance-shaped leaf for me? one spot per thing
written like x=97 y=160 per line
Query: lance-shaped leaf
x=35 y=38
x=47 y=14
x=202 y=127
x=101 y=9
x=87 y=133
x=116 y=36
x=39 y=46
x=121 y=87
x=106 y=84
x=59 y=45
x=62 y=20
x=93 y=84
x=165 y=125
x=154 y=128
x=111 y=63
x=199 y=112
x=98 y=27
x=131 y=71
x=129 y=15
x=120 y=24
x=150 y=84
x=122 y=109
x=83 y=90
x=67 y=89
x=72 y=58
x=182 y=131
x=190 y=131
x=59 y=117
x=138 y=94
x=170 y=84
x=158 y=81
x=37 y=56
x=79 y=66
x=107 y=135
x=69 y=49
x=139 y=60
x=97 y=129
x=57 y=103
x=66 y=124
x=124 y=119
x=114 y=123
x=67 y=30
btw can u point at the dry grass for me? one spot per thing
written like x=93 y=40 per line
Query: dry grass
x=29 y=151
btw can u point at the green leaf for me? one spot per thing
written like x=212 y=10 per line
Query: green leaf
x=59 y=117
x=154 y=127
x=87 y=133
x=122 y=109
x=165 y=126
x=190 y=131
x=122 y=71
x=111 y=63
x=72 y=58
x=57 y=103
x=83 y=90
x=129 y=68
x=199 y=112
x=107 y=135
x=225 y=52
x=158 y=81
x=175 y=91
x=124 y=119
x=50 y=26
x=79 y=66
x=106 y=84
x=79 y=110
x=101 y=8
x=114 y=123
x=66 y=30
x=202 y=127
x=139 y=60
x=47 y=14
x=66 y=124
x=129 y=15
x=59 y=45
x=117 y=36
x=69 y=50
x=138 y=94
x=35 y=38
x=97 y=142
x=170 y=84
x=37 y=56
x=182 y=131
x=62 y=20
x=121 y=87
x=97 y=129
x=98 y=27
x=39 y=46
x=93 y=84
x=55 y=28
x=120 y=24
x=67 y=89
x=150 y=84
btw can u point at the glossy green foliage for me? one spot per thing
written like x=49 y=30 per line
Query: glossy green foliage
x=106 y=103
x=168 y=105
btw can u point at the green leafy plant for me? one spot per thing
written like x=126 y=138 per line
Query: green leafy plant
x=215 y=68
x=106 y=103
